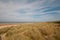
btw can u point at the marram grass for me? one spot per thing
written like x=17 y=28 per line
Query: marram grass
x=32 y=31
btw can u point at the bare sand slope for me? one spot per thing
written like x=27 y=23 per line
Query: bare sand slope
x=7 y=25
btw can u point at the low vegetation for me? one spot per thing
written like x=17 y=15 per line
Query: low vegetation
x=31 y=31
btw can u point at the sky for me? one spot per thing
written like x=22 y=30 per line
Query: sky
x=29 y=10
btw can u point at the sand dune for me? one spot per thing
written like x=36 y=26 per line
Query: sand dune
x=32 y=31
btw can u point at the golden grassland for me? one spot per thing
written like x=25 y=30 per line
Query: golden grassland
x=31 y=31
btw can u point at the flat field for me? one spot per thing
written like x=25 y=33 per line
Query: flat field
x=30 y=31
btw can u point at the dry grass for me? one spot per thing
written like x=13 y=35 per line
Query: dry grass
x=32 y=31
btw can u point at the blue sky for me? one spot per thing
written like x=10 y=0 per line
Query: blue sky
x=29 y=10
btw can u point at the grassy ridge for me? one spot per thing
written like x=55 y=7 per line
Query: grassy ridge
x=32 y=31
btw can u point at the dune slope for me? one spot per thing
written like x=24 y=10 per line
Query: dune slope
x=32 y=31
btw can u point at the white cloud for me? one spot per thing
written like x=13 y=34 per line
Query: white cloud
x=8 y=10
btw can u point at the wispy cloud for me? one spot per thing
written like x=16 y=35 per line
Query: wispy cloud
x=29 y=10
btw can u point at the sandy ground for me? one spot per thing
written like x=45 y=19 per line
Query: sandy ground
x=7 y=25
